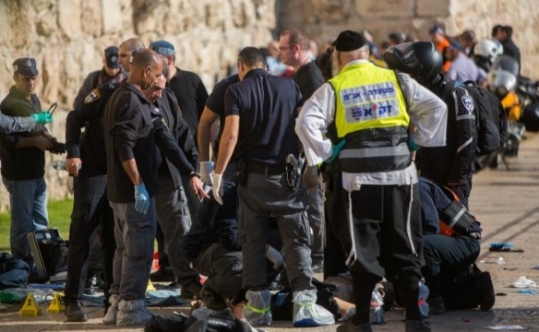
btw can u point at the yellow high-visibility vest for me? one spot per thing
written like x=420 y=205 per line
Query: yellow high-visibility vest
x=370 y=112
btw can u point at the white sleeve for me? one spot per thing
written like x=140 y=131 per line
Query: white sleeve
x=428 y=113
x=311 y=125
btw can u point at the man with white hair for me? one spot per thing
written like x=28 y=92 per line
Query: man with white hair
x=362 y=127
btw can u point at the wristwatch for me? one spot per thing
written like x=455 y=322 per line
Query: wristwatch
x=193 y=174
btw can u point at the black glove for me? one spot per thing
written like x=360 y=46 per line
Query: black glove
x=57 y=147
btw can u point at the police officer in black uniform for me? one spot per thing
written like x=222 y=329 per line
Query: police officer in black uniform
x=452 y=164
x=260 y=116
x=86 y=160
x=214 y=109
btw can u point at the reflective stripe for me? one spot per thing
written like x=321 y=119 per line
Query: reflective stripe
x=353 y=251
x=465 y=117
x=409 y=221
x=456 y=218
x=401 y=150
x=465 y=144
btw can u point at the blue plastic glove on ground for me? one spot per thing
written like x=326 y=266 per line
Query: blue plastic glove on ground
x=142 y=199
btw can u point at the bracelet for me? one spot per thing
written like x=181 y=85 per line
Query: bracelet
x=193 y=174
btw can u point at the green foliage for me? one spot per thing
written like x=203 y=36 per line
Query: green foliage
x=59 y=217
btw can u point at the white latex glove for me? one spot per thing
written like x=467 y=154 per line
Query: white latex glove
x=217 y=180
x=206 y=171
x=274 y=256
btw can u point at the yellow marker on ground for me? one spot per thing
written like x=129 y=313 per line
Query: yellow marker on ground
x=57 y=304
x=30 y=308
x=150 y=286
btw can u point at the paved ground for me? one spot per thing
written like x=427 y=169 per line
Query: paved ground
x=507 y=204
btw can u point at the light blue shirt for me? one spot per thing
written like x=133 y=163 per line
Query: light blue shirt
x=463 y=69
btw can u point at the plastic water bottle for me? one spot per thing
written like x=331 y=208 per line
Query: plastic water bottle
x=422 y=302
x=59 y=165
x=376 y=310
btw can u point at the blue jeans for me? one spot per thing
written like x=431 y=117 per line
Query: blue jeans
x=28 y=201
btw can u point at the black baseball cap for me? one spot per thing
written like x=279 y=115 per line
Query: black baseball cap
x=111 y=57
x=25 y=66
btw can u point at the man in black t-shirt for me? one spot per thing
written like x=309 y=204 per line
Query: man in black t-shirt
x=293 y=48
x=215 y=109
x=187 y=86
x=259 y=128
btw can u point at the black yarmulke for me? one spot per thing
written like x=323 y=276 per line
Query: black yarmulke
x=349 y=40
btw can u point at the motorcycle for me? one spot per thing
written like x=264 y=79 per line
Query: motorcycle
x=528 y=93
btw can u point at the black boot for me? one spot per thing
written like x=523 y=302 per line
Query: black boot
x=190 y=288
x=212 y=299
x=163 y=274
x=74 y=312
x=487 y=297
x=349 y=326
x=436 y=305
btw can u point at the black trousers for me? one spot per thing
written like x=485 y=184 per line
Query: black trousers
x=446 y=257
x=90 y=210
x=386 y=240
x=336 y=219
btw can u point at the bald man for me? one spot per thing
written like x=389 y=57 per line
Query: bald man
x=132 y=179
x=87 y=162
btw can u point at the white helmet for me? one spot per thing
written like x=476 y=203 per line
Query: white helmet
x=489 y=49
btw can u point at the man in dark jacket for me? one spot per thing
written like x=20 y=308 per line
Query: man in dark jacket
x=23 y=161
x=452 y=164
x=191 y=95
x=504 y=34
x=212 y=246
x=450 y=245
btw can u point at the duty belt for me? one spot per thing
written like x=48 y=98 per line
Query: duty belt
x=269 y=170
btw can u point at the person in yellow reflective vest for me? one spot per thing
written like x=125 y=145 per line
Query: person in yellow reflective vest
x=361 y=127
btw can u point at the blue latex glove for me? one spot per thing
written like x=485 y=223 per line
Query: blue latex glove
x=335 y=150
x=42 y=117
x=142 y=199
x=412 y=145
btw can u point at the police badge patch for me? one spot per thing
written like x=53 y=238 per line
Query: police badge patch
x=92 y=96
x=468 y=103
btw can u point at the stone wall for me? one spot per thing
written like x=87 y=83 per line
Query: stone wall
x=67 y=37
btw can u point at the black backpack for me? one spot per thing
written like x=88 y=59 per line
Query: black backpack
x=490 y=117
x=469 y=289
x=220 y=322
